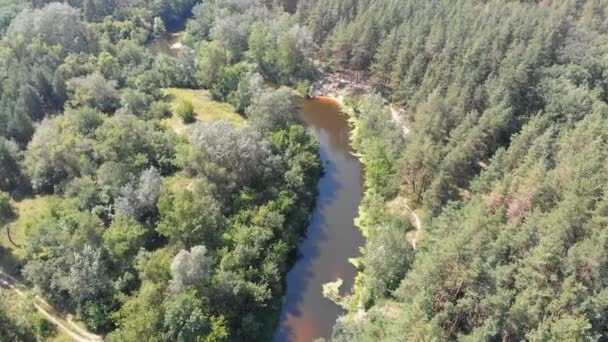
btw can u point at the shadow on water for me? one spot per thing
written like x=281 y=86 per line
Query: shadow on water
x=331 y=237
x=300 y=276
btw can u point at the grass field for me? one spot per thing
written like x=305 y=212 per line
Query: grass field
x=206 y=109
x=27 y=211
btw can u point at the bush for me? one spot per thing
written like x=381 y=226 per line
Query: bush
x=160 y=110
x=6 y=209
x=185 y=110
x=43 y=328
x=303 y=88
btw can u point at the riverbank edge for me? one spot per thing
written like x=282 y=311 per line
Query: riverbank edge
x=353 y=301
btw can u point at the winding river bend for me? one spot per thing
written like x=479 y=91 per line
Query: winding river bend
x=332 y=237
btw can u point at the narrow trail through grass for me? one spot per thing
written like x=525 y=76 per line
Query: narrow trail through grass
x=70 y=328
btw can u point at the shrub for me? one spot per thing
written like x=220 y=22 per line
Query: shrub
x=185 y=110
x=6 y=209
x=160 y=110
x=303 y=88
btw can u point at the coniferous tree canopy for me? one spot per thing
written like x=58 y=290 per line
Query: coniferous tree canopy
x=505 y=105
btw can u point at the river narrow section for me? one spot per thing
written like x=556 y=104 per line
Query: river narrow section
x=331 y=238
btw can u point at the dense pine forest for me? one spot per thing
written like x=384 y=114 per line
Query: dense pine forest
x=504 y=156
x=147 y=218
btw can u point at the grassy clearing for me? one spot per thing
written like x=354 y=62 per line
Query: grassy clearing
x=206 y=109
x=178 y=182
x=27 y=210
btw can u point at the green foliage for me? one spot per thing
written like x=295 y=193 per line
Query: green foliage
x=18 y=126
x=190 y=269
x=137 y=103
x=185 y=110
x=228 y=81
x=93 y=91
x=116 y=149
x=140 y=317
x=113 y=260
x=65 y=260
x=18 y=321
x=380 y=140
x=249 y=31
x=154 y=266
x=249 y=87
x=80 y=103
x=42 y=328
x=159 y=28
x=185 y=318
x=72 y=35
x=247 y=239
x=9 y=10
x=272 y=110
x=229 y=157
x=189 y=219
x=6 y=208
x=212 y=57
x=175 y=72
x=387 y=259
x=505 y=108
x=123 y=239
x=11 y=176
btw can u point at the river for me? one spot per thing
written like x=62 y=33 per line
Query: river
x=331 y=238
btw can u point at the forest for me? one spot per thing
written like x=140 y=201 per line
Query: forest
x=153 y=224
x=504 y=158
x=146 y=232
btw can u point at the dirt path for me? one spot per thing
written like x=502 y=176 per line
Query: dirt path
x=77 y=333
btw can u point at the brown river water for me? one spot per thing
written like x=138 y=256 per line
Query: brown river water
x=331 y=238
